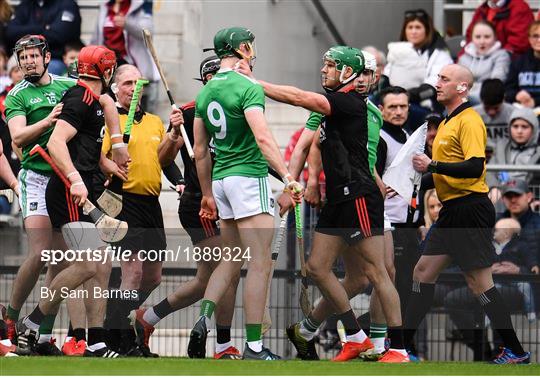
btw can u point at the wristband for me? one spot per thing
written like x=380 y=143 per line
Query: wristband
x=432 y=167
x=116 y=136
x=116 y=146
x=78 y=183
x=72 y=174
x=286 y=181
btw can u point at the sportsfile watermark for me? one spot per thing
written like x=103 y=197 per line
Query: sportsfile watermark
x=119 y=254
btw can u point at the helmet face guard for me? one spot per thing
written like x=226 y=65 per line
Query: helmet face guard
x=368 y=77
x=94 y=61
x=31 y=42
x=227 y=43
x=343 y=57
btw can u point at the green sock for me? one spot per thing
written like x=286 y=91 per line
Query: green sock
x=13 y=314
x=254 y=332
x=377 y=330
x=47 y=325
x=207 y=308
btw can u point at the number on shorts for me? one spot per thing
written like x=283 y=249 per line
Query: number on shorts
x=220 y=122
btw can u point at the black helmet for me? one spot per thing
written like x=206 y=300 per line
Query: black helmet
x=208 y=65
x=30 y=41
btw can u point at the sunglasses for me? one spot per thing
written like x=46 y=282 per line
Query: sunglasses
x=416 y=13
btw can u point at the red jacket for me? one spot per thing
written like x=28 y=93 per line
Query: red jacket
x=511 y=24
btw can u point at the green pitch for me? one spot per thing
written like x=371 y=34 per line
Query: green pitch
x=183 y=366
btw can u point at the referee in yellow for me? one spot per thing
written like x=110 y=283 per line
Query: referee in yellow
x=148 y=145
x=463 y=232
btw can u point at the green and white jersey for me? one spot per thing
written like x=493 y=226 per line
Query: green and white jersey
x=375 y=122
x=221 y=104
x=36 y=102
x=314 y=121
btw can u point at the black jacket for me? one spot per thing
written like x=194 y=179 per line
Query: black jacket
x=524 y=75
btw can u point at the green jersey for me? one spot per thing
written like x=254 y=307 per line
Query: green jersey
x=314 y=121
x=36 y=102
x=221 y=104
x=375 y=122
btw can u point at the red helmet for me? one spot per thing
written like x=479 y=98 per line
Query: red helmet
x=93 y=61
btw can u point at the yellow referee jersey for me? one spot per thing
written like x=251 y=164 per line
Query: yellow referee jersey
x=144 y=175
x=461 y=136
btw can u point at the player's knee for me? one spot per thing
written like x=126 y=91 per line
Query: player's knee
x=420 y=273
x=391 y=269
x=132 y=277
x=90 y=269
x=316 y=273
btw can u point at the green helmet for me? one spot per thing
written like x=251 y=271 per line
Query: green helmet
x=345 y=56
x=227 y=41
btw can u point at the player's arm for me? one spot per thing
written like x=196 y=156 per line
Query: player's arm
x=23 y=134
x=120 y=153
x=6 y=174
x=171 y=144
x=300 y=152
x=314 y=159
x=57 y=146
x=294 y=96
x=203 y=161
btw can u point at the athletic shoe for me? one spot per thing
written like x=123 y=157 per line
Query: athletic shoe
x=26 y=337
x=371 y=355
x=74 y=348
x=231 y=353
x=394 y=357
x=12 y=350
x=352 y=349
x=508 y=357
x=104 y=352
x=146 y=351
x=264 y=354
x=142 y=329
x=11 y=330
x=197 y=339
x=305 y=348
x=413 y=357
x=48 y=348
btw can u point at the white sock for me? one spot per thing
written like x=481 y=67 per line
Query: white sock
x=255 y=346
x=93 y=348
x=30 y=324
x=401 y=351
x=44 y=339
x=68 y=339
x=305 y=333
x=358 y=337
x=6 y=342
x=378 y=343
x=221 y=347
x=150 y=317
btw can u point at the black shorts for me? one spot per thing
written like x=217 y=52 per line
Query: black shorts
x=60 y=206
x=464 y=232
x=197 y=228
x=145 y=221
x=355 y=219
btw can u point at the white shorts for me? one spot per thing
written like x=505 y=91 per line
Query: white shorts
x=241 y=197
x=32 y=187
x=387 y=223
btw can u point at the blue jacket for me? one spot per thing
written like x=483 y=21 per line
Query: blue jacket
x=58 y=20
x=530 y=230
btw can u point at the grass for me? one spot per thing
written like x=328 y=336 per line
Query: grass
x=184 y=366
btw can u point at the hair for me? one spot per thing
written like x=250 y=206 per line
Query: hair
x=425 y=19
x=492 y=92
x=532 y=26
x=73 y=46
x=488 y=24
x=395 y=90
x=5 y=11
x=120 y=70
x=379 y=55
x=427 y=219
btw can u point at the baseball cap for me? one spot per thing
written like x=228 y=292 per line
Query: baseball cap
x=516 y=186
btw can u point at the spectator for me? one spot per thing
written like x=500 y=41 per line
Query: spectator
x=485 y=57
x=418 y=58
x=522 y=85
x=15 y=75
x=4 y=75
x=6 y=12
x=521 y=149
x=69 y=57
x=383 y=79
x=59 y=21
x=510 y=18
x=433 y=120
x=119 y=27
x=432 y=206
x=494 y=112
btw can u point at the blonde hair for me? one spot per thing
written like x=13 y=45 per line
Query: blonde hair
x=5 y=11
x=427 y=219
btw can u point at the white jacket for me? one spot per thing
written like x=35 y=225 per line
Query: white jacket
x=409 y=68
x=137 y=19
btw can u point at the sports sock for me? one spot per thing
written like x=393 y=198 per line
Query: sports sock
x=142 y=297
x=419 y=304
x=34 y=319
x=46 y=327
x=207 y=308
x=79 y=334
x=498 y=314
x=12 y=313
x=254 y=337
x=352 y=329
x=223 y=333
x=395 y=334
x=222 y=347
x=96 y=337
x=154 y=314
x=308 y=327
